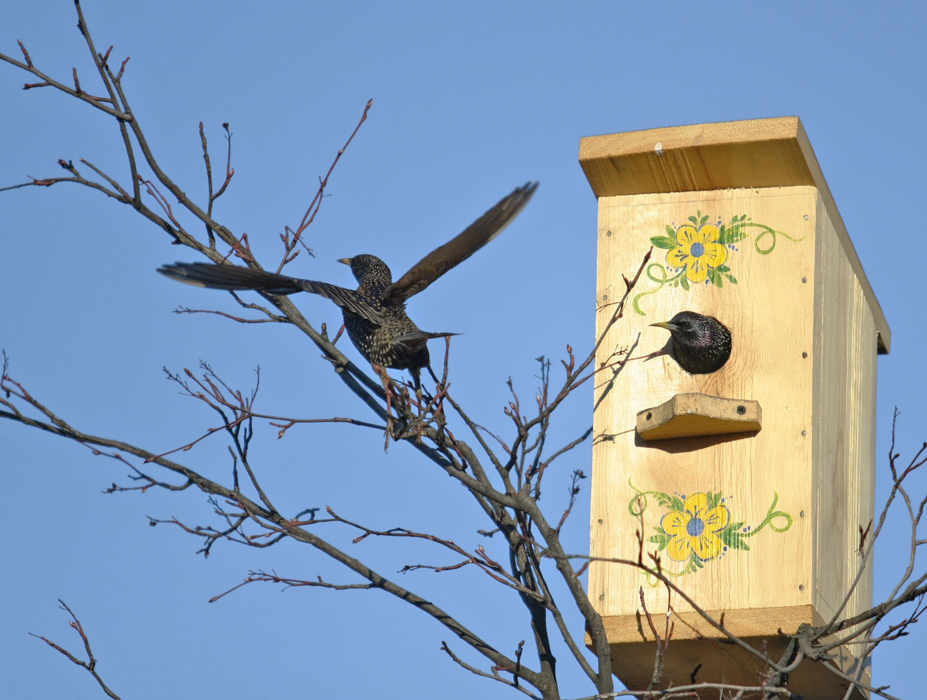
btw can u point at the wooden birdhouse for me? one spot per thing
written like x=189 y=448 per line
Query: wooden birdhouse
x=751 y=483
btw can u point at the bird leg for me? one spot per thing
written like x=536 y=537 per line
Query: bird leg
x=388 y=389
x=418 y=399
x=338 y=335
x=417 y=385
x=391 y=396
x=421 y=393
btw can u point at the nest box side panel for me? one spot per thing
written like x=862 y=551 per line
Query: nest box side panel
x=722 y=512
x=845 y=342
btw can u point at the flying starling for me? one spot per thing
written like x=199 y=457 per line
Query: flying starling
x=374 y=313
x=701 y=344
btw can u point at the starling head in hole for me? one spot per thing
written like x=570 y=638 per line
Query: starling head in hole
x=701 y=344
x=374 y=313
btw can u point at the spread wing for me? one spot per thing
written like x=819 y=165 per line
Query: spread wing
x=232 y=277
x=478 y=234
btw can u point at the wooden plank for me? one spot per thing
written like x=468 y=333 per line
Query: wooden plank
x=750 y=622
x=756 y=153
x=700 y=157
x=710 y=661
x=843 y=429
x=770 y=313
x=693 y=649
x=689 y=415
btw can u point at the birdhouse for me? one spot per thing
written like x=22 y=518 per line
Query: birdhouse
x=753 y=482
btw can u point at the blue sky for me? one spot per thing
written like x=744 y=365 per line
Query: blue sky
x=470 y=100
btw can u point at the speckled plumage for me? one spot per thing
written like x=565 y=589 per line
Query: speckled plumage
x=701 y=344
x=374 y=313
x=395 y=342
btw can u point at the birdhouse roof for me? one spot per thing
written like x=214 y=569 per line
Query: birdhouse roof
x=724 y=155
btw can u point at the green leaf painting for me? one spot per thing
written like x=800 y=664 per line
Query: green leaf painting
x=698 y=252
x=698 y=529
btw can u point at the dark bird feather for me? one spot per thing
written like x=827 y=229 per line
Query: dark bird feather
x=701 y=344
x=374 y=313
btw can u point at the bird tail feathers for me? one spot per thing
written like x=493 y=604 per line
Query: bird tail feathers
x=230 y=277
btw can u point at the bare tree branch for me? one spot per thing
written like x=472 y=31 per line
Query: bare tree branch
x=503 y=470
x=90 y=665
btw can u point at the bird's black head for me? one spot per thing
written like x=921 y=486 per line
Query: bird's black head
x=701 y=344
x=688 y=327
x=369 y=270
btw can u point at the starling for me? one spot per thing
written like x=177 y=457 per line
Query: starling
x=374 y=313
x=701 y=344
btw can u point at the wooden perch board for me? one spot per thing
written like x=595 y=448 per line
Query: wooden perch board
x=689 y=415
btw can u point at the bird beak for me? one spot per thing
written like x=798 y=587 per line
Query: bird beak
x=346 y=261
x=667 y=325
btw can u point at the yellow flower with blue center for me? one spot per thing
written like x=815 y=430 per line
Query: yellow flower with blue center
x=697 y=250
x=695 y=529
x=700 y=528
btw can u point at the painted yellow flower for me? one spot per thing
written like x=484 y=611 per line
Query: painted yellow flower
x=695 y=529
x=697 y=250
